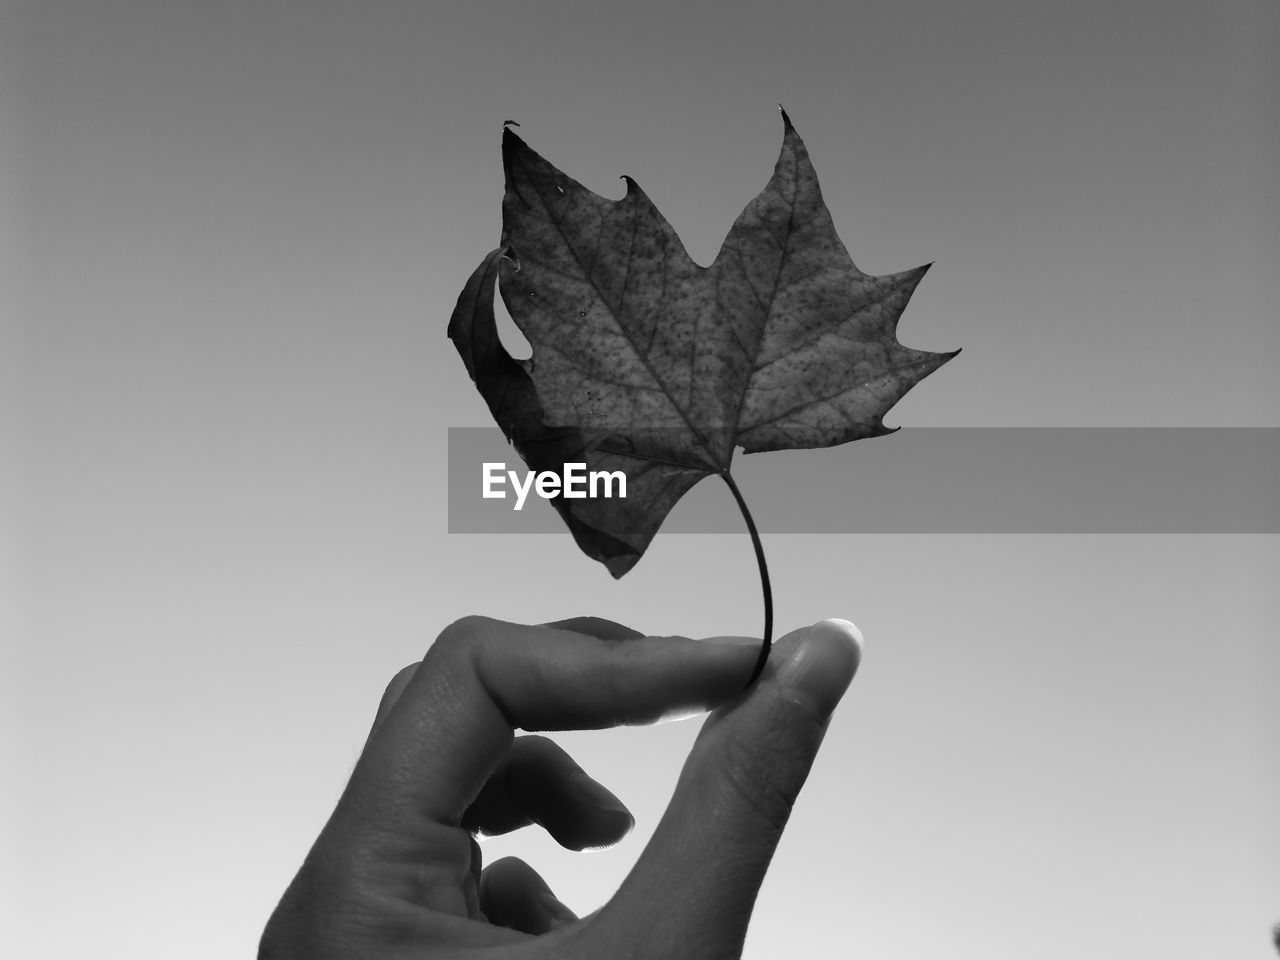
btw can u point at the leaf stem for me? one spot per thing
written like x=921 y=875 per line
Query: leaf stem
x=764 y=579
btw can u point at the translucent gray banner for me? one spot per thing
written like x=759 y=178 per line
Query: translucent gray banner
x=945 y=480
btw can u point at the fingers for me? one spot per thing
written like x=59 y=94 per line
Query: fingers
x=593 y=626
x=455 y=718
x=703 y=867
x=537 y=782
x=513 y=895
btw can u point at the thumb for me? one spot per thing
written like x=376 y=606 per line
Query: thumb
x=697 y=880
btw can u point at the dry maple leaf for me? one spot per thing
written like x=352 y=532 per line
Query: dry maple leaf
x=645 y=362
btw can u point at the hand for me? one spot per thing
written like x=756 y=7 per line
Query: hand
x=396 y=872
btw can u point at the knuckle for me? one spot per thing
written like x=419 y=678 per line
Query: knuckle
x=505 y=863
x=535 y=748
x=463 y=636
x=508 y=872
x=394 y=688
x=464 y=629
x=401 y=677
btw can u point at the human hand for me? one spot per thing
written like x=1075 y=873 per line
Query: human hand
x=396 y=872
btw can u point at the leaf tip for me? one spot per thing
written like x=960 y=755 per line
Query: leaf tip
x=787 y=126
x=510 y=139
x=515 y=154
x=619 y=566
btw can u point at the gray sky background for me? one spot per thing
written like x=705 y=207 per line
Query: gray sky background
x=232 y=235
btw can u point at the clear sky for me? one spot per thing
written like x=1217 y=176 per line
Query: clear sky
x=231 y=235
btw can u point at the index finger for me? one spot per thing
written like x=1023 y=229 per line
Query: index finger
x=595 y=626
x=483 y=679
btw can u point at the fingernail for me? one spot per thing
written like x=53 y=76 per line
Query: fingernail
x=732 y=641
x=557 y=912
x=821 y=667
x=599 y=797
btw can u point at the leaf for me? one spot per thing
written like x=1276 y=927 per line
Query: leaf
x=646 y=362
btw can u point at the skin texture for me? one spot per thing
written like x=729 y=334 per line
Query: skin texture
x=396 y=872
